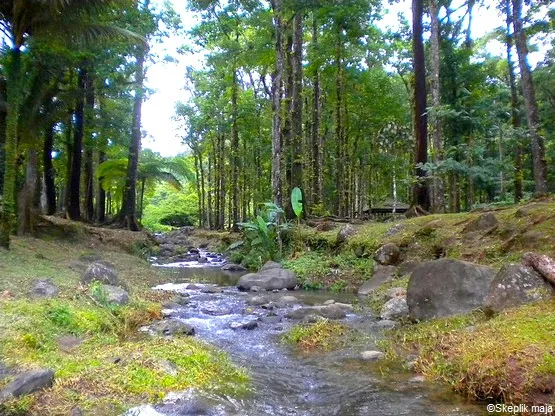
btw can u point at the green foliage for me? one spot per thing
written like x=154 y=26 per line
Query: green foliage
x=167 y=205
x=262 y=235
x=324 y=335
x=297 y=201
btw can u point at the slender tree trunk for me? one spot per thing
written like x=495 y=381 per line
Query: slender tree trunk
x=199 y=194
x=101 y=197
x=437 y=190
x=27 y=195
x=209 y=196
x=142 y=198
x=287 y=133
x=276 y=104
x=88 y=164
x=420 y=190
x=317 y=153
x=13 y=93
x=49 y=176
x=74 y=207
x=222 y=168
x=515 y=113
x=128 y=208
x=530 y=104
x=297 y=116
x=339 y=126
x=202 y=191
x=3 y=115
x=235 y=160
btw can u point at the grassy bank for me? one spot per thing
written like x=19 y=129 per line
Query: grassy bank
x=510 y=357
x=102 y=364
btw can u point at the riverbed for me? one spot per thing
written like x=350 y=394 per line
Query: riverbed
x=286 y=382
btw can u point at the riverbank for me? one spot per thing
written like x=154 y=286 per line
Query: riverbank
x=505 y=358
x=102 y=365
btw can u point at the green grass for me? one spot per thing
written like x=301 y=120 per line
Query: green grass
x=509 y=358
x=317 y=270
x=324 y=335
x=87 y=376
x=378 y=298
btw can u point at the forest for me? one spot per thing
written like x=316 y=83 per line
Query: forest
x=308 y=94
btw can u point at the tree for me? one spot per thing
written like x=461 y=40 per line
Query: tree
x=530 y=104
x=420 y=191
x=24 y=21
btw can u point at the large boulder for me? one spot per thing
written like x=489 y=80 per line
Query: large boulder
x=395 y=308
x=169 y=327
x=447 y=287
x=270 y=277
x=387 y=254
x=28 y=382
x=485 y=222
x=111 y=294
x=516 y=285
x=44 y=288
x=382 y=274
x=345 y=232
x=100 y=272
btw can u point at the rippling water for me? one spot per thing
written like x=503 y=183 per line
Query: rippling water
x=288 y=384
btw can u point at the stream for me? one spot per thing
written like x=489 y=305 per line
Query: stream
x=285 y=383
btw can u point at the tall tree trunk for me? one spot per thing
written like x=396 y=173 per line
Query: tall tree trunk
x=13 y=94
x=49 y=184
x=530 y=104
x=437 y=190
x=235 y=160
x=297 y=116
x=515 y=113
x=128 y=216
x=339 y=126
x=27 y=195
x=277 y=80
x=74 y=206
x=287 y=133
x=101 y=195
x=88 y=164
x=420 y=190
x=3 y=115
x=317 y=153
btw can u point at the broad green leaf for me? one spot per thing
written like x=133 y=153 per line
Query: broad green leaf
x=297 y=201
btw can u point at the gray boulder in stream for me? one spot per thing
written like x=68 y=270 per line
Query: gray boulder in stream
x=270 y=277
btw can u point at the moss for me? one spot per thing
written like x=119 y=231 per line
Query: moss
x=508 y=358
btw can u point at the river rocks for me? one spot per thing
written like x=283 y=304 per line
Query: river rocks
x=386 y=324
x=111 y=294
x=395 y=308
x=100 y=272
x=44 y=288
x=28 y=382
x=271 y=276
x=249 y=325
x=192 y=286
x=396 y=292
x=382 y=274
x=329 y=302
x=181 y=299
x=270 y=319
x=485 y=222
x=211 y=289
x=312 y=319
x=327 y=311
x=202 y=260
x=387 y=254
x=257 y=301
x=171 y=327
x=344 y=233
x=232 y=267
x=447 y=287
x=372 y=355
x=287 y=300
x=515 y=285
x=345 y=307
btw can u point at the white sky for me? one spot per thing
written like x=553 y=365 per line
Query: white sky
x=168 y=79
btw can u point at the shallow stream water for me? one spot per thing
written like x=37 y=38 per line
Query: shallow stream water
x=286 y=383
